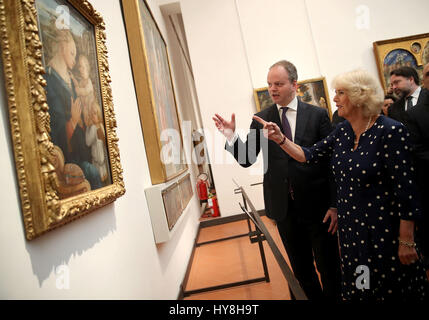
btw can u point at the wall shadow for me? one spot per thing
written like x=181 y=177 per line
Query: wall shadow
x=58 y=246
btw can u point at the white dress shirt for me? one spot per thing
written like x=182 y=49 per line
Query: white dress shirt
x=415 y=98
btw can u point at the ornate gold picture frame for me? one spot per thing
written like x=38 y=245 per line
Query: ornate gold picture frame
x=312 y=91
x=412 y=51
x=61 y=110
x=155 y=93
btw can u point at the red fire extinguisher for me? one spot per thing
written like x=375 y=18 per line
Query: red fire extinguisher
x=202 y=186
x=212 y=205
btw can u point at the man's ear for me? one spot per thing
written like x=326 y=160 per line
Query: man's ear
x=295 y=84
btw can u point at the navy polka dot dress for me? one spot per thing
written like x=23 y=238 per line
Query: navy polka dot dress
x=375 y=189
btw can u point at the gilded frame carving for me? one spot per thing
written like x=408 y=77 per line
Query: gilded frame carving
x=410 y=51
x=312 y=91
x=35 y=154
x=154 y=90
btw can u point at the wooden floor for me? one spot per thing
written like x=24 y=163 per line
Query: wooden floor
x=233 y=261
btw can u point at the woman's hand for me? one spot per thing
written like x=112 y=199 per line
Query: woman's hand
x=332 y=214
x=271 y=130
x=407 y=255
x=407 y=252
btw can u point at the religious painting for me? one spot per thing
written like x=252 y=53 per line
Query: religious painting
x=412 y=51
x=60 y=109
x=73 y=93
x=425 y=54
x=155 y=93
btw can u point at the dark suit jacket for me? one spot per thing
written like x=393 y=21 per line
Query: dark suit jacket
x=397 y=110
x=314 y=190
x=417 y=122
x=336 y=119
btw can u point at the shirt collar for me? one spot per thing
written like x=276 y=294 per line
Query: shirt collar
x=416 y=93
x=292 y=105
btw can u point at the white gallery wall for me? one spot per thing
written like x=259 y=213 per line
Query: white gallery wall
x=111 y=253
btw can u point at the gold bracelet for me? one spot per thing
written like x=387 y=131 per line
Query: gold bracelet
x=283 y=141
x=407 y=244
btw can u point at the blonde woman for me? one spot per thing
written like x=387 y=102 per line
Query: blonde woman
x=377 y=205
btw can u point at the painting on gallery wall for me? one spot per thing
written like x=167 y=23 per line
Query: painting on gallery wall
x=155 y=93
x=73 y=92
x=411 y=51
x=63 y=125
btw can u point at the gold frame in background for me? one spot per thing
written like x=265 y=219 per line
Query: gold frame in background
x=263 y=99
x=153 y=107
x=399 y=52
x=35 y=155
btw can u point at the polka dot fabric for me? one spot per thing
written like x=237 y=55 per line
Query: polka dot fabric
x=375 y=189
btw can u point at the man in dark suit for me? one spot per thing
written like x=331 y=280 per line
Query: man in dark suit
x=299 y=197
x=417 y=122
x=405 y=83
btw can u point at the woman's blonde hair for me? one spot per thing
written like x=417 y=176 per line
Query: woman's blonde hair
x=362 y=89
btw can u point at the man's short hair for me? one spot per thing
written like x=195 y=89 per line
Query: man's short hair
x=289 y=67
x=406 y=72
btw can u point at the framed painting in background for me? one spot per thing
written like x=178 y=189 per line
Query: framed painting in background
x=60 y=109
x=155 y=93
x=312 y=91
x=176 y=198
x=315 y=92
x=262 y=98
x=172 y=204
x=186 y=191
x=412 y=51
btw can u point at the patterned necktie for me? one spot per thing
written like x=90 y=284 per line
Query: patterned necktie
x=286 y=127
x=409 y=104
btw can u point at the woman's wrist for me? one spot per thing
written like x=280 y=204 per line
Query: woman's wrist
x=409 y=244
x=406 y=230
x=283 y=140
